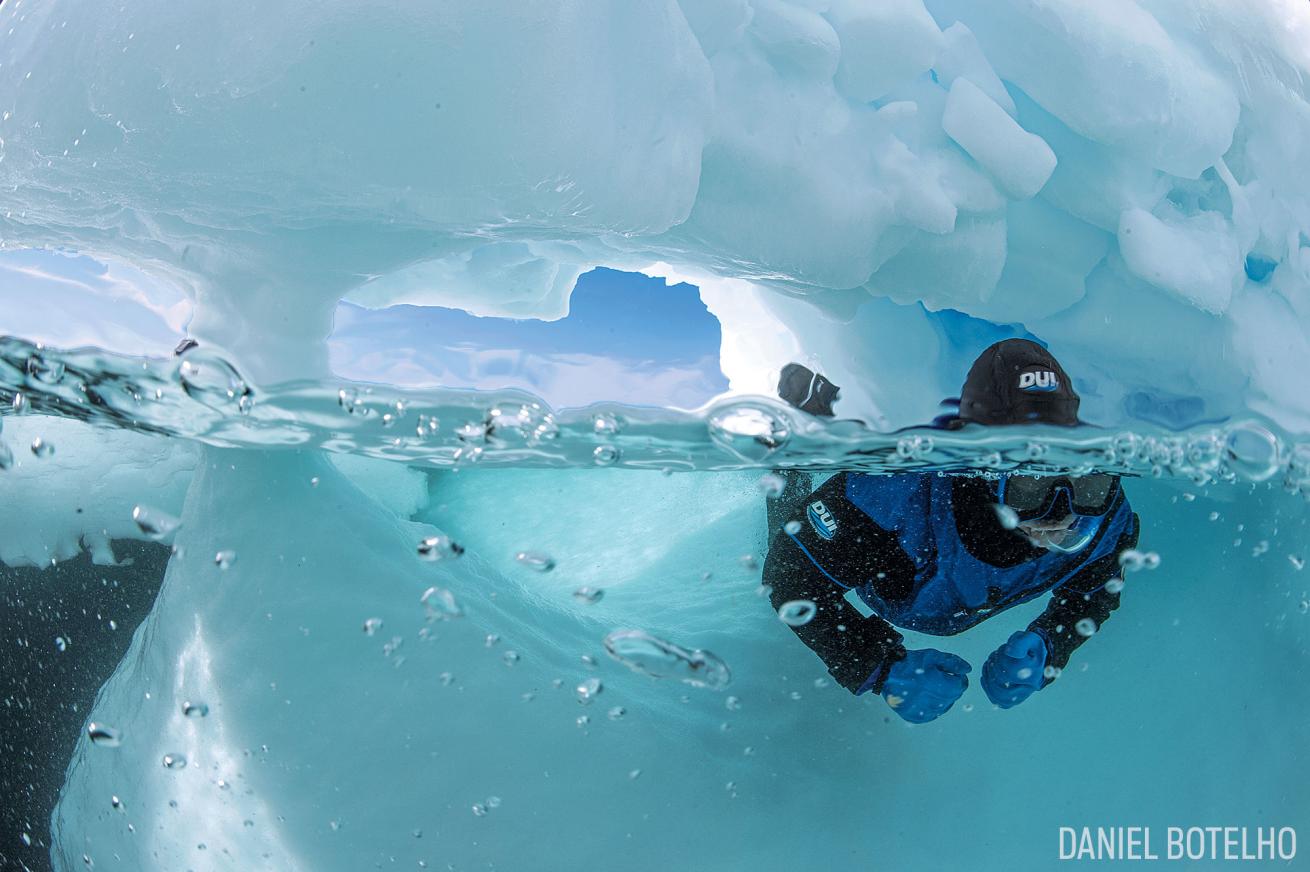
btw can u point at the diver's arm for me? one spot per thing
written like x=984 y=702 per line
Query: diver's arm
x=1083 y=597
x=857 y=650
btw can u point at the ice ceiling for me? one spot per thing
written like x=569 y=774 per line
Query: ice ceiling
x=1125 y=179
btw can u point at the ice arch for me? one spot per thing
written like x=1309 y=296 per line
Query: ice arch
x=1031 y=164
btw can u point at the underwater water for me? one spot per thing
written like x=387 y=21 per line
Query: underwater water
x=424 y=359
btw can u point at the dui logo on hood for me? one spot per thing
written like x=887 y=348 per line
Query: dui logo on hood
x=1040 y=381
x=821 y=519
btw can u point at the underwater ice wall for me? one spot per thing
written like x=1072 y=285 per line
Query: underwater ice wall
x=1085 y=172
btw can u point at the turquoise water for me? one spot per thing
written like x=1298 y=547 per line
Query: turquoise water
x=353 y=716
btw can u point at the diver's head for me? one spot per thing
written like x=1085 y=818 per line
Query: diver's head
x=1017 y=381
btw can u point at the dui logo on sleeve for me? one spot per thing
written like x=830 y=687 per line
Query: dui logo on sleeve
x=822 y=520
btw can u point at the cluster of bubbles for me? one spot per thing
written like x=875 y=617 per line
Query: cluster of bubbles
x=200 y=394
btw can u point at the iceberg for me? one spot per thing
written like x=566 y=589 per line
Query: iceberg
x=875 y=190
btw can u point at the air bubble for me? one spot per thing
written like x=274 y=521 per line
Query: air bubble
x=427 y=426
x=606 y=424
x=155 y=523
x=588 y=690
x=103 y=735
x=1204 y=453
x=657 y=658
x=48 y=371
x=1133 y=560
x=1085 y=627
x=41 y=448
x=1251 y=451
x=605 y=455
x=914 y=447
x=510 y=658
x=751 y=431
x=1125 y=447
x=225 y=558
x=535 y=560
x=348 y=399
x=791 y=528
x=1114 y=585
x=1008 y=517
x=439 y=547
x=211 y=381
x=174 y=761
x=797 y=613
x=615 y=713
x=588 y=595
x=372 y=625
x=195 y=709
x=439 y=604
x=772 y=485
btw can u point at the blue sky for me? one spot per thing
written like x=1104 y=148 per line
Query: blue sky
x=628 y=337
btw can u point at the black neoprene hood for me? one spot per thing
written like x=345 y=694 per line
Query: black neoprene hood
x=1017 y=381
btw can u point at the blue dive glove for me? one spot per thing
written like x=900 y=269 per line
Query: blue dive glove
x=924 y=685
x=1015 y=670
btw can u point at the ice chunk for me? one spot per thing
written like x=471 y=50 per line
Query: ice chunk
x=1194 y=257
x=795 y=37
x=503 y=279
x=1020 y=161
x=1092 y=182
x=1111 y=72
x=1116 y=328
x=1048 y=258
x=882 y=44
x=1271 y=345
x=962 y=56
x=951 y=271
x=716 y=23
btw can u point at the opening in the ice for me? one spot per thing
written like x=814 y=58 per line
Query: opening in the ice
x=626 y=337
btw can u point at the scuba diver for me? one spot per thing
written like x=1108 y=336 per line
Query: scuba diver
x=939 y=553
